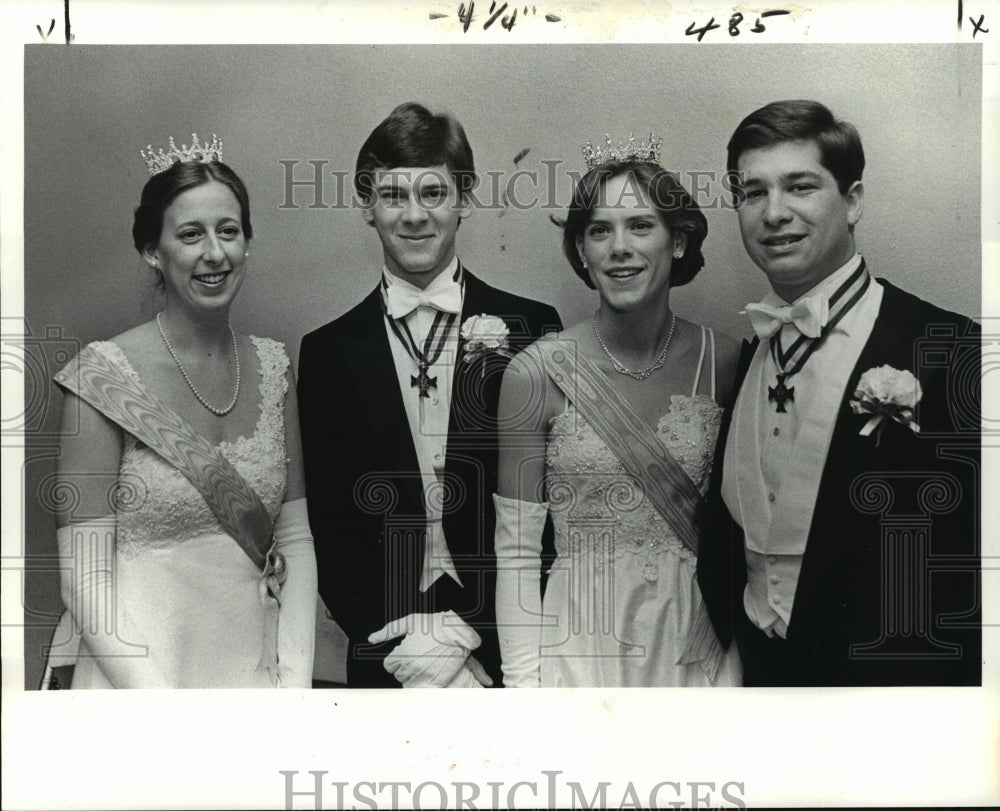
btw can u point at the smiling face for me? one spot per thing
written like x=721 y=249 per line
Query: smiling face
x=202 y=249
x=627 y=248
x=416 y=212
x=795 y=223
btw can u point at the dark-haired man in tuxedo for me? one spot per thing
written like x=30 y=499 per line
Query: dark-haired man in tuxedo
x=398 y=404
x=843 y=547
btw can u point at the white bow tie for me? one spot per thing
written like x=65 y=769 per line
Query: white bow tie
x=808 y=315
x=401 y=301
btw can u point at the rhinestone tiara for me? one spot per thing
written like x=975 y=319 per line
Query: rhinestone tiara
x=628 y=151
x=157 y=162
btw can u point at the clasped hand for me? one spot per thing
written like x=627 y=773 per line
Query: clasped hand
x=435 y=651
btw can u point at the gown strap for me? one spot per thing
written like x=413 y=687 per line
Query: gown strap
x=711 y=341
x=708 y=344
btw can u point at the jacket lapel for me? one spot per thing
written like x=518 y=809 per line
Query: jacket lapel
x=470 y=455
x=851 y=455
x=373 y=375
x=747 y=348
x=476 y=301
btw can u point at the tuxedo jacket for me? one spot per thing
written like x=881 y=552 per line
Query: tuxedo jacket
x=889 y=589
x=363 y=482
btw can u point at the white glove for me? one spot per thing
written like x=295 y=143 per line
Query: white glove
x=518 y=544
x=87 y=583
x=297 y=616
x=472 y=674
x=434 y=651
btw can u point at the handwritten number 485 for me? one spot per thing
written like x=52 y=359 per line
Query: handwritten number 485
x=734 y=25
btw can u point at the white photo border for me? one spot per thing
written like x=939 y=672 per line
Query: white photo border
x=200 y=749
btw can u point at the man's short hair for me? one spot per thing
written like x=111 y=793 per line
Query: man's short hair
x=412 y=136
x=802 y=120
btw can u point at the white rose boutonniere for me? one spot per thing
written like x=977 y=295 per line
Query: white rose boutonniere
x=484 y=334
x=886 y=392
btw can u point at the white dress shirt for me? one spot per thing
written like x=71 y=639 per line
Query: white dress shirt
x=428 y=416
x=774 y=461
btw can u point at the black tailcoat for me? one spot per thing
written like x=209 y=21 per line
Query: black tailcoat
x=364 y=486
x=889 y=590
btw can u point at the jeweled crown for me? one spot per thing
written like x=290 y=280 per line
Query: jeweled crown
x=157 y=162
x=629 y=151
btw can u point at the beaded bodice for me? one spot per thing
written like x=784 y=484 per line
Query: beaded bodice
x=598 y=507
x=158 y=507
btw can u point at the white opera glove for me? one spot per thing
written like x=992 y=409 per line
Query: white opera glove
x=435 y=651
x=518 y=544
x=297 y=615
x=88 y=586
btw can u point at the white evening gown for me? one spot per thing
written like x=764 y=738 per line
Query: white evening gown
x=189 y=589
x=622 y=595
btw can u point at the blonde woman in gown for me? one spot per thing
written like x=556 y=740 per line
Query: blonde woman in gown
x=609 y=429
x=187 y=556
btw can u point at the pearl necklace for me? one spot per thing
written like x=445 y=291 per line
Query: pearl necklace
x=637 y=374
x=219 y=412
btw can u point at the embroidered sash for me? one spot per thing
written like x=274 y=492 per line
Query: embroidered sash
x=665 y=483
x=238 y=509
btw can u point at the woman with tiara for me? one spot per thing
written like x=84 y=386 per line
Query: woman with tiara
x=187 y=559
x=609 y=428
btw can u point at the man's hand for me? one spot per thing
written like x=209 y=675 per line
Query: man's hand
x=434 y=651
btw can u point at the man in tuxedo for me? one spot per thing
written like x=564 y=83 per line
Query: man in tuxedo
x=841 y=545
x=398 y=404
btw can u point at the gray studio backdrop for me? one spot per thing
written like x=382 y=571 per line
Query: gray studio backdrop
x=89 y=109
